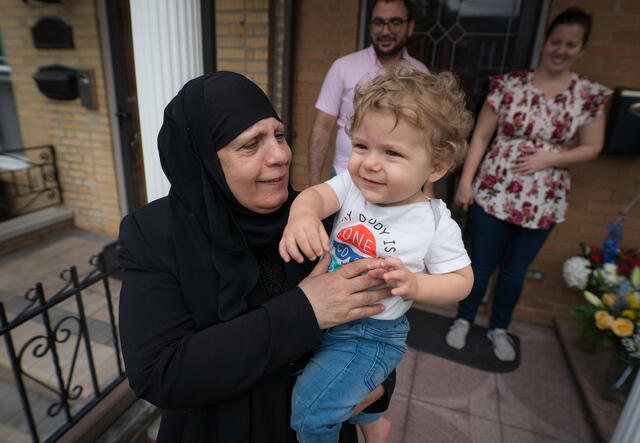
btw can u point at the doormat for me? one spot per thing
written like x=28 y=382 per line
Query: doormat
x=428 y=331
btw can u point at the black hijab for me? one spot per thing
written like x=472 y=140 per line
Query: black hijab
x=213 y=234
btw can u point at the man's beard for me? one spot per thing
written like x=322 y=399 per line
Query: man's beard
x=396 y=49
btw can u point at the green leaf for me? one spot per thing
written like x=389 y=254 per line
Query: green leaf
x=635 y=277
x=591 y=338
x=593 y=299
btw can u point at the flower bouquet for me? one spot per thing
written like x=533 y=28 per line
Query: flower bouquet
x=611 y=318
x=609 y=279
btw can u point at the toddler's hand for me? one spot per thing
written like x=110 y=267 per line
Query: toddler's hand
x=304 y=234
x=396 y=275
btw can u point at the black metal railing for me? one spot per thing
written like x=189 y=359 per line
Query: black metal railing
x=31 y=187
x=64 y=323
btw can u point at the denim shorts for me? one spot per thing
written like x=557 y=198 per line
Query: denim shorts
x=352 y=360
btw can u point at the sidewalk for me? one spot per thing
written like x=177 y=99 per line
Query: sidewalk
x=439 y=401
x=435 y=400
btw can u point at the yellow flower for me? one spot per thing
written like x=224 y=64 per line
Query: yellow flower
x=609 y=299
x=622 y=327
x=631 y=298
x=604 y=320
x=629 y=313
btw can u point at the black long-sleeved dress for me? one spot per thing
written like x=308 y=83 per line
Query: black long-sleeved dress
x=203 y=374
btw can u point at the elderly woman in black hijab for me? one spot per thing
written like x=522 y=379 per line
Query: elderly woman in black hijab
x=212 y=322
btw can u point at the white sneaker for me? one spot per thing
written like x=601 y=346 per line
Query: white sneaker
x=457 y=335
x=502 y=344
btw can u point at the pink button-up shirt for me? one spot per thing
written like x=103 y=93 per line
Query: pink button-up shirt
x=336 y=95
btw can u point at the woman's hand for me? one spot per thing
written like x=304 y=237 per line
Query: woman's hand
x=533 y=160
x=341 y=296
x=306 y=234
x=464 y=195
x=396 y=275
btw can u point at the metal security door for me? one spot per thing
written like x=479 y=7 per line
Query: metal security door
x=475 y=39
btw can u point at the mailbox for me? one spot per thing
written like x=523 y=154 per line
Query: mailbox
x=52 y=32
x=57 y=82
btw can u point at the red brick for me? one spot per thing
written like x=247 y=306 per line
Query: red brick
x=626 y=37
x=620 y=65
x=599 y=36
x=586 y=217
x=557 y=6
x=615 y=21
x=596 y=6
x=587 y=64
x=630 y=6
x=631 y=238
x=578 y=194
x=611 y=50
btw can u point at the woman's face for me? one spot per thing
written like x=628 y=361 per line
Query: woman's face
x=562 y=48
x=256 y=166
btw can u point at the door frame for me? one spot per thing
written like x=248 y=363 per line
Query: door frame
x=114 y=90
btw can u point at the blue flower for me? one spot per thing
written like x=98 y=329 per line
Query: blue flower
x=611 y=245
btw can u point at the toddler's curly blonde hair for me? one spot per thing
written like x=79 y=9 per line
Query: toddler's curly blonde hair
x=434 y=103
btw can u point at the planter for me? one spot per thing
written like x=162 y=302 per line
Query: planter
x=619 y=379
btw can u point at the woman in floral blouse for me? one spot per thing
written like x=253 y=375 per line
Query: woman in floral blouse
x=522 y=185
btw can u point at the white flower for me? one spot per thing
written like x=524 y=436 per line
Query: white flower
x=576 y=272
x=611 y=277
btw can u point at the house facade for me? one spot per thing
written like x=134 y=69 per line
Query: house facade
x=105 y=154
x=128 y=58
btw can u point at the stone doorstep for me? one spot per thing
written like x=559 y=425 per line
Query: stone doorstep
x=30 y=229
x=35 y=221
x=588 y=370
x=119 y=417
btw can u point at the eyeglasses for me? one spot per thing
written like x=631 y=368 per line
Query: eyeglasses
x=394 y=23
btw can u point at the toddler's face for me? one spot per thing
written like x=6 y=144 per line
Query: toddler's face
x=389 y=165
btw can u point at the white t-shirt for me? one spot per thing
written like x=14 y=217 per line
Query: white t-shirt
x=408 y=232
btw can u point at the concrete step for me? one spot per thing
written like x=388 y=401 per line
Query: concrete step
x=589 y=370
x=29 y=229
x=65 y=317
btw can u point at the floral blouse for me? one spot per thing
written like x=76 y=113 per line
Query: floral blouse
x=526 y=119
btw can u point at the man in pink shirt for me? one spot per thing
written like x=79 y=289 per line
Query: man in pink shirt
x=390 y=27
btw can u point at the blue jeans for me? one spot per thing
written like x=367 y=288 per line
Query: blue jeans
x=495 y=242
x=352 y=360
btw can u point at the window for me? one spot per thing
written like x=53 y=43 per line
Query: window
x=10 y=138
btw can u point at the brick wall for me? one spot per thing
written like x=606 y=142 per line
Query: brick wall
x=601 y=188
x=242 y=38
x=276 y=62
x=326 y=30
x=81 y=137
